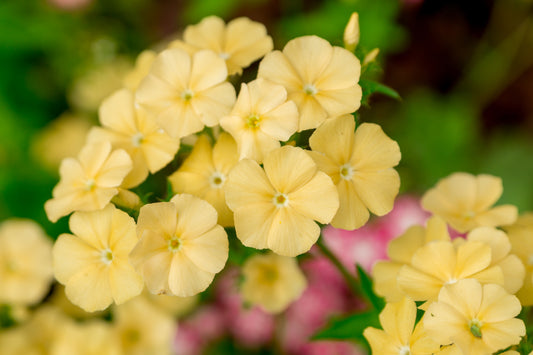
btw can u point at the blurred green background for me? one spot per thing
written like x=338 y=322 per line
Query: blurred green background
x=462 y=68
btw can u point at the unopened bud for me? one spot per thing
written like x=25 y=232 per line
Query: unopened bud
x=371 y=56
x=351 y=32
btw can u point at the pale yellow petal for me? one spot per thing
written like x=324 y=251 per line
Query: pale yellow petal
x=291 y=233
x=209 y=251
x=90 y=289
x=489 y=189
x=340 y=101
x=502 y=334
x=207 y=70
x=312 y=114
x=93 y=156
x=342 y=71
x=497 y=305
x=185 y=279
x=289 y=168
x=385 y=280
x=417 y=284
x=191 y=183
x=309 y=55
x=335 y=139
x=195 y=216
x=496 y=239
x=498 y=216
x=123 y=235
x=326 y=165
x=437 y=258
x=398 y=319
x=124 y=281
x=377 y=189
x=225 y=153
x=352 y=212
x=377 y=338
x=156 y=95
x=71 y=171
x=239 y=190
x=200 y=160
x=214 y=102
x=265 y=96
x=155 y=271
x=472 y=257
x=180 y=119
x=277 y=68
x=117 y=112
x=93 y=227
x=114 y=169
x=402 y=248
x=373 y=149
x=158 y=150
x=514 y=273
x=208 y=33
x=437 y=229
x=246 y=41
x=281 y=122
x=253 y=223
x=464 y=295
x=173 y=67
x=70 y=255
x=159 y=216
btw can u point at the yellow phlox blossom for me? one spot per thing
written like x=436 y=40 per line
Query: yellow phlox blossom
x=398 y=336
x=351 y=32
x=439 y=263
x=89 y=182
x=143 y=329
x=181 y=246
x=25 y=262
x=142 y=67
x=277 y=207
x=272 y=281
x=185 y=92
x=319 y=78
x=205 y=171
x=360 y=165
x=479 y=319
x=521 y=238
x=400 y=251
x=240 y=42
x=94 y=337
x=464 y=201
x=261 y=118
x=129 y=128
x=93 y=263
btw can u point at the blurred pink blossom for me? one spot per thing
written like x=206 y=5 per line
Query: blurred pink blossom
x=70 y=4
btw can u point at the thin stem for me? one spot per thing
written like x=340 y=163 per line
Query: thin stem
x=352 y=282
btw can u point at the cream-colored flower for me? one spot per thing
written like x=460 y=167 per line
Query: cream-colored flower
x=93 y=263
x=89 y=182
x=320 y=79
x=239 y=43
x=94 y=337
x=185 y=92
x=181 y=246
x=479 y=319
x=25 y=262
x=272 y=281
x=277 y=207
x=205 y=171
x=398 y=336
x=143 y=329
x=464 y=201
x=261 y=118
x=143 y=64
x=361 y=164
x=128 y=128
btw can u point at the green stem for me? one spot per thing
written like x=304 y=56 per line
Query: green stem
x=351 y=281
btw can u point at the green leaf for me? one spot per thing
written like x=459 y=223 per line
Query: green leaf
x=368 y=291
x=350 y=327
x=370 y=87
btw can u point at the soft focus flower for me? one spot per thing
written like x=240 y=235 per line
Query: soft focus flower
x=185 y=92
x=398 y=336
x=464 y=201
x=128 y=128
x=93 y=263
x=63 y=137
x=142 y=67
x=479 y=319
x=351 y=32
x=406 y=212
x=181 y=247
x=320 y=79
x=89 y=182
x=261 y=118
x=277 y=207
x=239 y=43
x=205 y=171
x=360 y=165
x=272 y=281
x=173 y=305
x=90 y=338
x=143 y=329
x=25 y=262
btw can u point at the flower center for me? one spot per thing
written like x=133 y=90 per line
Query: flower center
x=224 y=55
x=269 y=274
x=216 y=180
x=280 y=200
x=106 y=256
x=137 y=139
x=475 y=327
x=253 y=121
x=468 y=215
x=10 y=266
x=310 y=89
x=187 y=94
x=451 y=281
x=89 y=184
x=404 y=350
x=346 y=171
x=174 y=244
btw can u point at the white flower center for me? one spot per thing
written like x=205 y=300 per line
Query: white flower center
x=280 y=200
x=174 y=244
x=106 y=256
x=216 y=180
x=475 y=327
x=469 y=215
x=310 y=89
x=346 y=171
x=224 y=55
x=89 y=184
x=451 y=281
x=187 y=94
x=404 y=350
x=137 y=139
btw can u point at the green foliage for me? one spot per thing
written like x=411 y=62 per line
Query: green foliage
x=370 y=87
x=367 y=288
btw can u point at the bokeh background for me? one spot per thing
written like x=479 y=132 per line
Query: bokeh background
x=463 y=70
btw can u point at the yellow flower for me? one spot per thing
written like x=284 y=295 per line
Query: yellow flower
x=398 y=337
x=25 y=262
x=185 y=92
x=464 y=201
x=89 y=182
x=204 y=173
x=361 y=165
x=143 y=329
x=520 y=235
x=272 y=281
x=128 y=128
x=478 y=319
x=94 y=337
x=142 y=68
x=181 y=246
x=93 y=263
x=261 y=118
x=400 y=251
x=239 y=43
x=320 y=79
x=277 y=207
x=351 y=32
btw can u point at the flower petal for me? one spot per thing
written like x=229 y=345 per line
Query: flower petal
x=291 y=233
x=195 y=216
x=289 y=168
x=90 y=288
x=209 y=251
x=339 y=130
x=185 y=278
